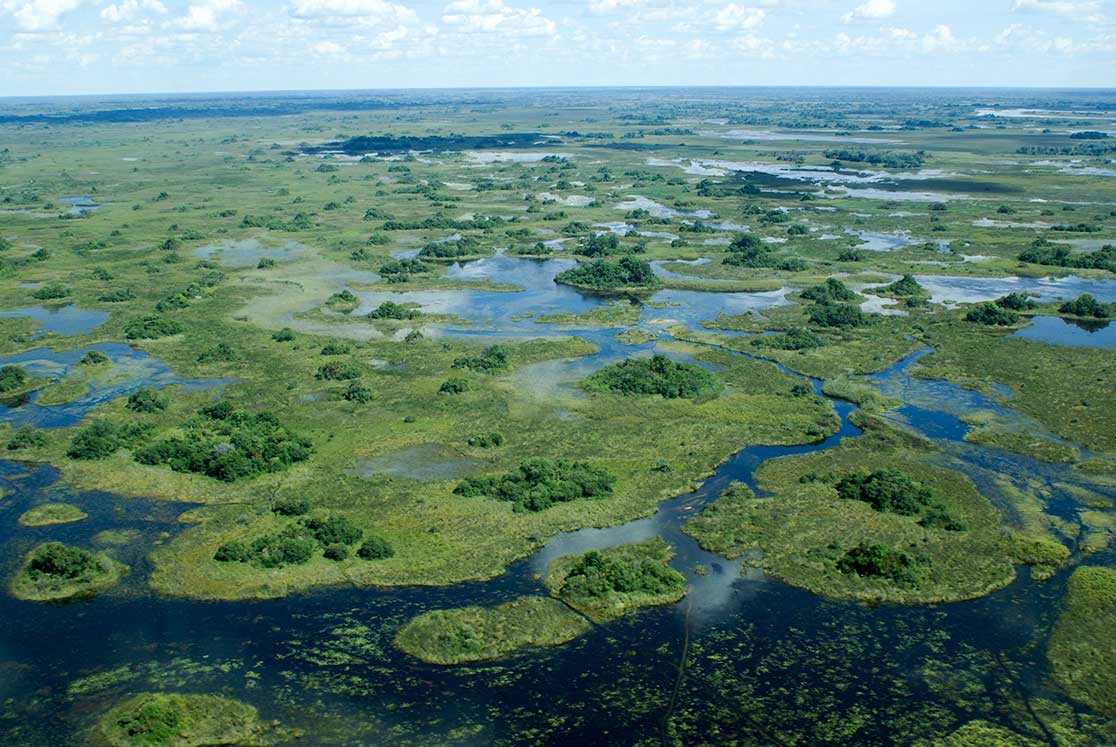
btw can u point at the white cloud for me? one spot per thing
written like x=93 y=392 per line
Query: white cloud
x=38 y=15
x=328 y=49
x=205 y=15
x=870 y=11
x=940 y=38
x=608 y=6
x=129 y=9
x=1079 y=10
x=311 y=9
x=493 y=16
x=733 y=16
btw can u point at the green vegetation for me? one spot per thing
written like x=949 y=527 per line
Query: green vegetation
x=465 y=634
x=609 y=583
x=296 y=543
x=181 y=720
x=746 y=250
x=103 y=438
x=831 y=291
x=228 y=444
x=1080 y=650
x=147 y=400
x=54 y=572
x=538 y=484
x=1085 y=306
x=493 y=358
x=843 y=315
x=819 y=528
x=1016 y=302
x=657 y=375
x=626 y=274
x=151 y=327
x=12 y=378
x=47 y=514
x=991 y=314
x=26 y=438
x=1057 y=255
x=392 y=310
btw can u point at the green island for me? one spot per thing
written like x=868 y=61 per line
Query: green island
x=872 y=519
x=616 y=581
x=182 y=720
x=51 y=513
x=56 y=572
x=465 y=634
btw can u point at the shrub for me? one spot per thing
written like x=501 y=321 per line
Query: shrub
x=26 y=438
x=887 y=490
x=393 y=310
x=284 y=335
x=146 y=400
x=597 y=576
x=375 y=548
x=538 y=484
x=337 y=371
x=103 y=439
x=291 y=506
x=831 y=291
x=991 y=314
x=627 y=272
x=117 y=296
x=454 y=386
x=336 y=552
x=94 y=358
x=151 y=327
x=50 y=291
x=12 y=378
x=657 y=375
x=493 y=358
x=837 y=315
x=1085 y=305
x=796 y=338
x=61 y=561
x=880 y=561
x=218 y=353
x=333 y=530
x=1016 y=302
x=357 y=392
x=336 y=348
x=487 y=440
x=905 y=286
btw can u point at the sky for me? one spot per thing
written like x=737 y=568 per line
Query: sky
x=51 y=47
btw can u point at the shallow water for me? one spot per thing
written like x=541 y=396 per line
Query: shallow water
x=131 y=370
x=1074 y=333
x=248 y=252
x=65 y=320
x=949 y=290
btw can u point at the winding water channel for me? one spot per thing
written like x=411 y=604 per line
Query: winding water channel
x=323 y=660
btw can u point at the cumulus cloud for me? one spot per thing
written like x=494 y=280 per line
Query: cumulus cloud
x=129 y=9
x=205 y=15
x=311 y=9
x=733 y=17
x=1080 y=10
x=608 y=6
x=38 y=15
x=871 y=10
x=493 y=16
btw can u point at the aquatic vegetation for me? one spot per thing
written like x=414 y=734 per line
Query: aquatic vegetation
x=795 y=338
x=656 y=375
x=181 y=720
x=51 y=513
x=54 y=572
x=465 y=634
x=1080 y=651
x=538 y=484
x=609 y=583
x=228 y=444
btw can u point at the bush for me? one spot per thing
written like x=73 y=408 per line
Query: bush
x=493 y=358
x=26 y=438
x=151 y=327
x=12 y=378
x=337 y=371
x=1016 y=302
x=146 y=400
x=333 y=530
x=837 y=315
x=598 y=576
x=393 y=310
x=50 y=291
x=991 y=314
x=905 y=286
x=1085 y=305
x=229 y=444
x=284 y=335
x=627 y=272
x=375 y=548
x=831 y=291
x=117 y=296
x=880 y=561
x=357 y=392
x=454 y=386
x=291 y=506
x=657 y=375
x=796 y=338
x=336 y=553
x=103 y=439
x=887 y=490
x=94 y=358
x=218 y=353
x=1043 y=252
x=538 y=484
x=487 y=440
x=336 y=348
x=63 y=562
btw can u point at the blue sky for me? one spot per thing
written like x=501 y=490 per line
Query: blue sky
x=117 y=46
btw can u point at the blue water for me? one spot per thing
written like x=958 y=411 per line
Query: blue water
x=63 y=320
x=132 y=369
x=1074 y=333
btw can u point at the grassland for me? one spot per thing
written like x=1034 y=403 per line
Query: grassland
x=464 y=634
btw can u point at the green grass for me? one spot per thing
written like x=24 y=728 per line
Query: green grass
x=51 y=513
x=1080 y=650
x=465 y=634
x=181 y=720
x=42 y=588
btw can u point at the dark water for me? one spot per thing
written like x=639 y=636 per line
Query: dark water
x=742 y=660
